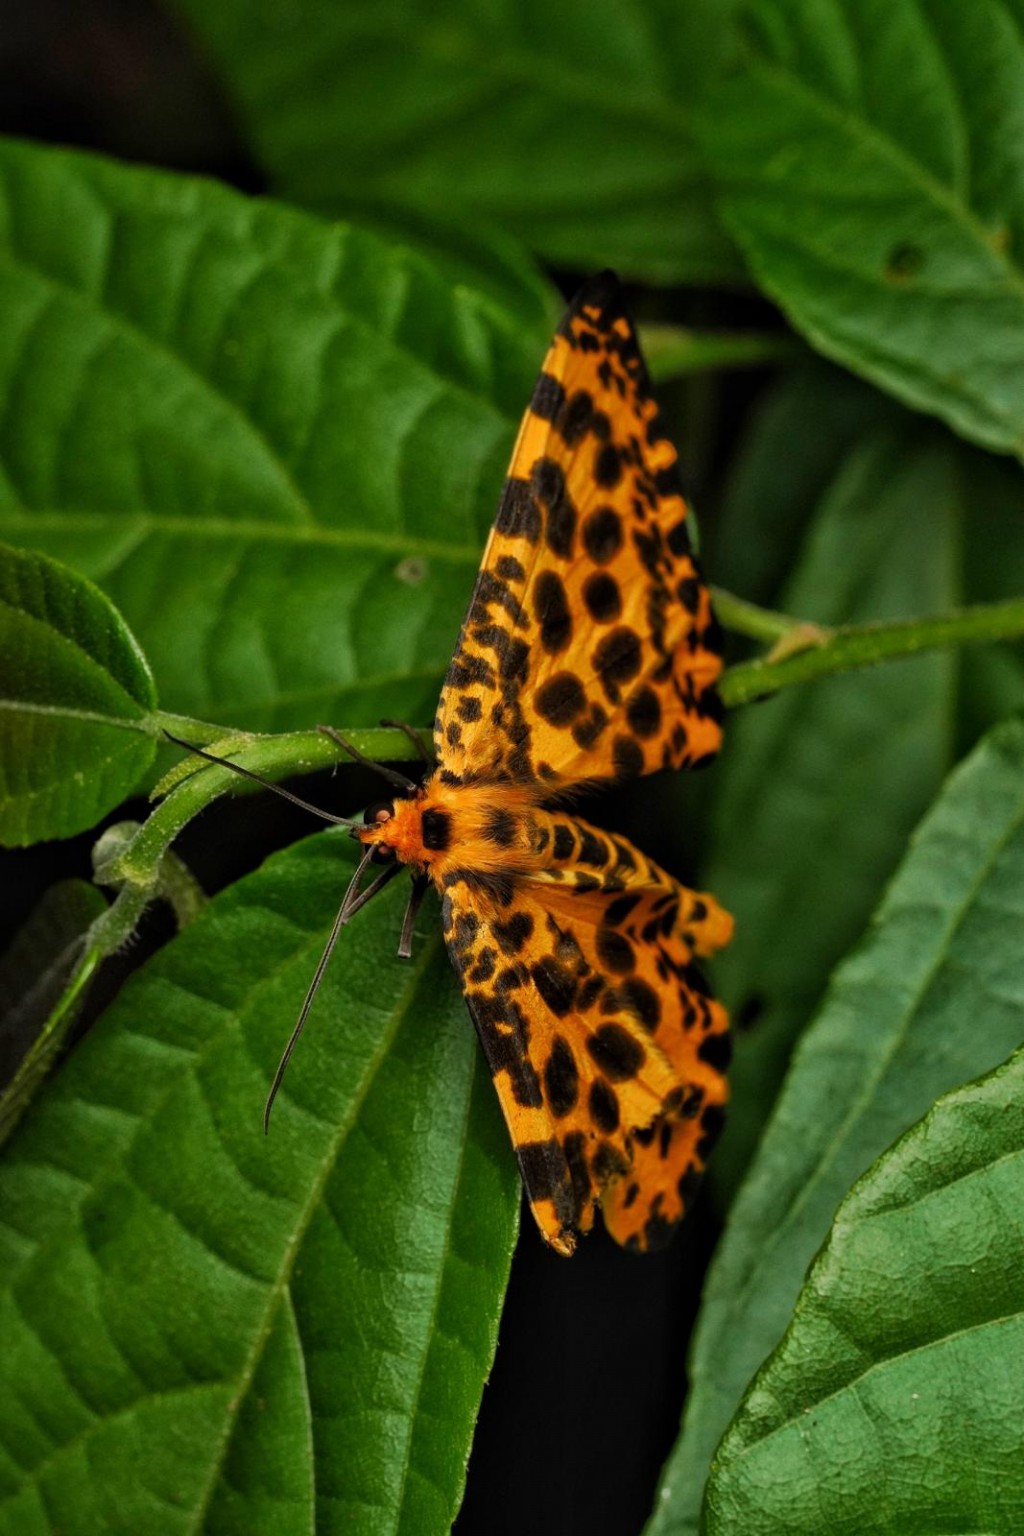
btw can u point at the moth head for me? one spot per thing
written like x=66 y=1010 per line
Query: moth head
x=392 y=829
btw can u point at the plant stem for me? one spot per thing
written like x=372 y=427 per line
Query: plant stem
x=845 y=648
x=748 y=619
x=673 y=352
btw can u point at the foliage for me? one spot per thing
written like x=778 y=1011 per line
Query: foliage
x=249 y=451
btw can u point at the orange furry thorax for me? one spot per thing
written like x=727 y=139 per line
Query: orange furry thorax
x=487 y=828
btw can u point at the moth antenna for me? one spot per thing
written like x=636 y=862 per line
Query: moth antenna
x=416 y=895
x=399 y=780
x=350 y=904
x=414 y=737
x=247 y=773
x=376 y=884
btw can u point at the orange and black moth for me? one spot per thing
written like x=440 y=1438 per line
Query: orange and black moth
x=589 y=655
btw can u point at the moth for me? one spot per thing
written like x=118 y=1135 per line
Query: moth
x=589 y=655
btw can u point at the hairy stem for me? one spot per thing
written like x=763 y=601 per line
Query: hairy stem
x=850 y=646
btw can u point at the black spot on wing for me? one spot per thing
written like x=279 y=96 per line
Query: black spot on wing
x=548 y=482
x=575 y=1147
x=616 y=659
x=716 y=1050
x=608 y=1162
x=551 y=610
x=546 y=1174
x=618 y=910
x=641 y=1000
x=484 y=967
x=603 y=1105
x=614 y=950
x=614 y=1050
x=513 y=934
x=602 y=535
x=466 y=669
x=602 y=597
x=588 y=727
x=607 y=466
x=561 y=699
x=510 y=569
x=561 y=1079
x=643 y=712
x=627 y=758
x=556 y=985
x=518 y=515
x=548 y=397
x=688 y=593
x=578 y=418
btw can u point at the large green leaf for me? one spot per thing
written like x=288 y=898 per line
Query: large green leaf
x=568 y=126
x=276 y=443
x=931 y=999
x=868 y=153
x=894 y=1401
x=820 y=787
x=208 y=1330
x=75 y=692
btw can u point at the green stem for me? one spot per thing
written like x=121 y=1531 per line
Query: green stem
x=846 y=648
x=748 y=619
x=674 y=352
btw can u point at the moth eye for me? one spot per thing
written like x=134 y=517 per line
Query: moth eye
x=378 y=813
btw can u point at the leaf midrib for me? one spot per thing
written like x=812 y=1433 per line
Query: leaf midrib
x=886 y=1361
x=279 y=1287
x=435 y=1304
x=246 y=528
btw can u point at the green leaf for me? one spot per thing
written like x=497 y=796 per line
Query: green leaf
x=206 y=1329
x=868 y=160
x=931 y=999
x=846 y=764
x=805 y=425
x=276 y=443
x=566 y=127
x=893 y=1403
x=75 y=694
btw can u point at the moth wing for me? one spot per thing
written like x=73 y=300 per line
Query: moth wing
x=645 y=940
x=571 y=1082
x=589 y=651
x=607 y=1051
